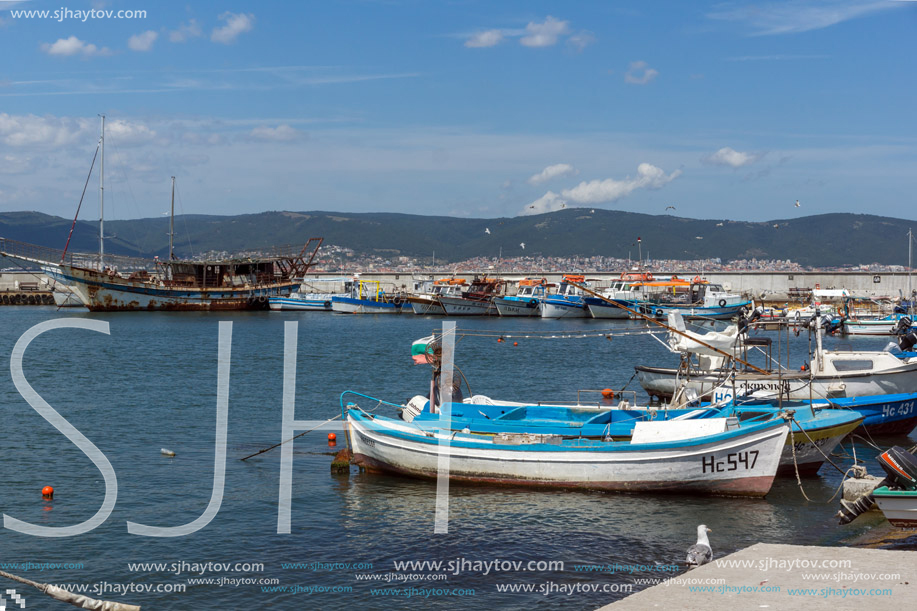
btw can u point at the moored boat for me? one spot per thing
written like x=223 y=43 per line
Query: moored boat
x=734 y=460
x=368 y=297
x=526 y=301
x=476 y=301
x=569 y=300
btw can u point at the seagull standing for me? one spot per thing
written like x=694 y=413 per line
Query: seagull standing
x=701 y=552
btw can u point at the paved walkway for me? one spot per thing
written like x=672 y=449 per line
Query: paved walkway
x=768 y=576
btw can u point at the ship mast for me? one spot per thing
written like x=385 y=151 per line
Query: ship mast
x=910 y=295
x=102 y=196
x=172 y=223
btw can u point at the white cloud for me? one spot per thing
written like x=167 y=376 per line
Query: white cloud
x=236 y=24
x=544 y=34
x=42 y=132
x=281 y=133
x=551 y=172
x=639 y=73
x=800 y=16
x=185 y=32
x=142 y=42
x=66 y=47
x=581 y=40
x=549 y=202
x=728 y=156
x=127 y=133
x=487 y=38
x=603 y=191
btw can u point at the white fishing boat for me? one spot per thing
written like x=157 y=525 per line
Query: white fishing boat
x=65 y=298
x=713 y=456
x=368 y=297
x=569 y=301
x=428 y=303
x=309 y=298
x=526 y=301
x=477 y=300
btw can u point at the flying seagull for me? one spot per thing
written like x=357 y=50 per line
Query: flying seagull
x=776 y=225
x=522 y=244
x=532 y=206
x=719 y=224
x=697 y=237
x=487 y=230
x=797 y=203
x=701 y=552
x=670 y=207
x=592 y=211
x=563 y=205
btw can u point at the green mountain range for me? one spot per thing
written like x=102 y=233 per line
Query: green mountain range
x=822 y=241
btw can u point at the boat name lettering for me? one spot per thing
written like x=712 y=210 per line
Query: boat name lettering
x=746 y=459
x=890 y=410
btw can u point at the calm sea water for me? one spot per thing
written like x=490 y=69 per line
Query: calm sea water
x=151 y=384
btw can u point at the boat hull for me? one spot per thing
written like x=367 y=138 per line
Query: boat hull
x=599 y=308
x=662 y=382
x=556 y=308
x=426 y=306
x=459 y=306
x=701 y=467
x=719 y=313
x=899 y=507
x=287 y=303
x=352 y=305
x=101 y=292
x=510 y=306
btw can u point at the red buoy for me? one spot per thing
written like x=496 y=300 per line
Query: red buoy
x=608 y=393
x=515 y=343
x=332 y=437
x=47 y=492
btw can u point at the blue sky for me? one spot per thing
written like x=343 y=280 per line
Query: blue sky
x=722 y=110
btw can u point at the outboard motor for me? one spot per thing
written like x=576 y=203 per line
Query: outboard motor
x=833 y=326
x=900 y=467
x=746 y=320
x=906 y=338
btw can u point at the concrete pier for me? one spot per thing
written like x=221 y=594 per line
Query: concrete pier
x=769 y=576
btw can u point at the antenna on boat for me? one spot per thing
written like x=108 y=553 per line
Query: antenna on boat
x=172 y=223
x=102 y=196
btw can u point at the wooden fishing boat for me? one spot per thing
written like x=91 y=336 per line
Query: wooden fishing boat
x=730 y=459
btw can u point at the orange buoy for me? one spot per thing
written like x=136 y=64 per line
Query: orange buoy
x=608 y=393
x=499 y=339
x=47 y=492
x=332 y=437
x=515 y=343
x=802 y=367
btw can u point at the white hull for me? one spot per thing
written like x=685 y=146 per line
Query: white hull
x=556 y=310
x=426 y=307
x=66 y=299
x=701 y=467
x=363 y=308
x=663 y=382
x=458 y=306
x=901 y=511
x=607 y=311
x=515 y=307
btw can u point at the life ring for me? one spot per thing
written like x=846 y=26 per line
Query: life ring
x=327 y=304
x=262 y=299
x=659 y=312
x=533 y=303
x=722 y=303
x=396 y=300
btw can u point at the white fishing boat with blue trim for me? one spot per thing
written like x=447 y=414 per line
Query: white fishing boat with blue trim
x=718 y=456
x=368 y=297
x=309 y=298
x=526 y=301
x=569 y=301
